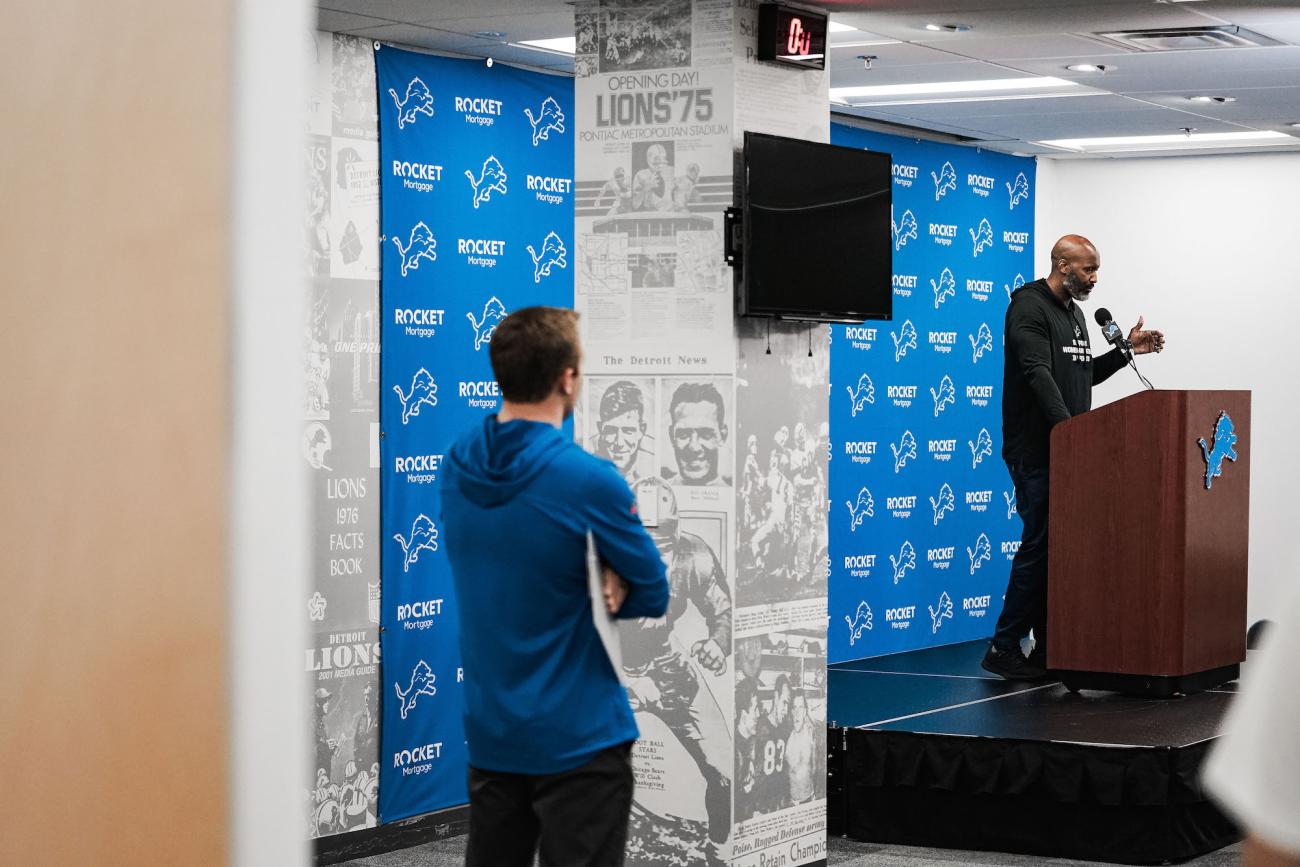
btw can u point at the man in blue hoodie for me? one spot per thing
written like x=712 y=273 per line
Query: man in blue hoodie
x=547 y=721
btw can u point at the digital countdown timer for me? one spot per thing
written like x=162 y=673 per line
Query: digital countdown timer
x=788 y=34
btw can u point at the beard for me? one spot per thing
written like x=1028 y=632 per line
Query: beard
x=1079 y=289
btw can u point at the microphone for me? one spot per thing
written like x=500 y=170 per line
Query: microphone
x=1114 y=336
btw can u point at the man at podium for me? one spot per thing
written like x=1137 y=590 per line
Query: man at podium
x=1048 y=375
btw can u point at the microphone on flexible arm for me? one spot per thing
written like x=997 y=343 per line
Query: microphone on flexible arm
x=1115 y=337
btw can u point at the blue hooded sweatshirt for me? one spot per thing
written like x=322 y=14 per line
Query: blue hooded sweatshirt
x=541 y=696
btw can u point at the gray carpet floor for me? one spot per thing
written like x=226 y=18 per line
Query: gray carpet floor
x=843 y=853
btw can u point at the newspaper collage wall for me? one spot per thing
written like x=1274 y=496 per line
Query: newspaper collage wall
x=477 y=210
x=660 y=98
x=923 y=520
x=340 y=340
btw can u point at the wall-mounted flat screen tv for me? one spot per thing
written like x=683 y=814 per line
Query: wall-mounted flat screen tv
x=816 y=241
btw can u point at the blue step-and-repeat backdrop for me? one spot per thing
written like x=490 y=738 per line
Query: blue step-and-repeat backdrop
x=476 y=201
x=922 y=514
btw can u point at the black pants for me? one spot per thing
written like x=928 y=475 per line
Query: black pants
x=573 y=819
x=1025 y=606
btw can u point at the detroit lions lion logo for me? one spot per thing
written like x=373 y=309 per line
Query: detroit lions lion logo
x=1222 y=448
x=946 y=288
x=491 y=178
x=418 y=101
x=982 y=236
x=904 y=450
x=945 y=397
x=981 y=342
x=905 y=560
x=863 y=394
x=904 y=229
x=1010 y=497
x=980 y=448
x=419 y=246
x=1019 y=189
x=423 y=537
x=904 y=339
x=981 y=554
x=943 y=504
x=945 y=181
x=860 y=621
x=422 y=679
x=424 y=392
x=865 y=507
x=1013 y=285
x=493 y=312
x=940 y=611
x=552 y=254
x=549 y=117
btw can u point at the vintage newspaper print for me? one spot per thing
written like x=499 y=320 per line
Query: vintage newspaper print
x=340 y=344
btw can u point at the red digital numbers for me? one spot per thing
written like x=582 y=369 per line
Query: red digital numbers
x=798 y=41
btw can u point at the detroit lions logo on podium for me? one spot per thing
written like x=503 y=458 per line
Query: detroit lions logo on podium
x=904 y=450
x=491 y=178
x=860 y=620
x=549 y=117
x=421 y=683
x=981 y=342
x=418 y=101
x=944 y=289
x=904 y=229
x=423 y=537
x=943 y=504
x=982 y=236
x=863 y=394
x=982 y=552
x=493 y=312
x=945 y=181
x=552 y=254
x=905 y=560
x=980 y=448
x=865 y=507
x=419 y=246
x=945 y=397
x=424 y=392
x=1019 y=189
x=1221 y=448
x=904 y=339
x=940 y=611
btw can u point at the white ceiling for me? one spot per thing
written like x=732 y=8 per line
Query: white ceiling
x=1144 y=94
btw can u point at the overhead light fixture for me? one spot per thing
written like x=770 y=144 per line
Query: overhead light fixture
x=949 y=28
x=1090 y=67
x=953 y=88
x=1215 y=99
x=558 y=45
x=1295 y=125
x=1176 y=141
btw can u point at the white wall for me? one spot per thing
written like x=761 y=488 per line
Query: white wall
x=1204 y=248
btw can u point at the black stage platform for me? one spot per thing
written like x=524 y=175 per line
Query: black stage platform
x=928 y=749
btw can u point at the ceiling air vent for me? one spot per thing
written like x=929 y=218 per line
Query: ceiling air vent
x=1186 y=38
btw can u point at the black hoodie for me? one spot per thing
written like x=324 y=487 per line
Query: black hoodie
x=1049 y=371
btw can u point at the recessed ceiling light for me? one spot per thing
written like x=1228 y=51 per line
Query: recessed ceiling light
x=1090 y=67
x=948 y=28
x=558 y=45
x=1215 y=99
x=1176 y=141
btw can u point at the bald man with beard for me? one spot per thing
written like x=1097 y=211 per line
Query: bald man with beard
x=1048 y=376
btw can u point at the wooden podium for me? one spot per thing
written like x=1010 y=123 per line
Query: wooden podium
x=1146 y=565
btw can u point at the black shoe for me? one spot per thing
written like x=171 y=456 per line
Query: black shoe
x=1038 y=658
x=1011 y=665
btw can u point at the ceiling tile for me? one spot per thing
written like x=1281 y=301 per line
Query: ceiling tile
x=345 y=22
